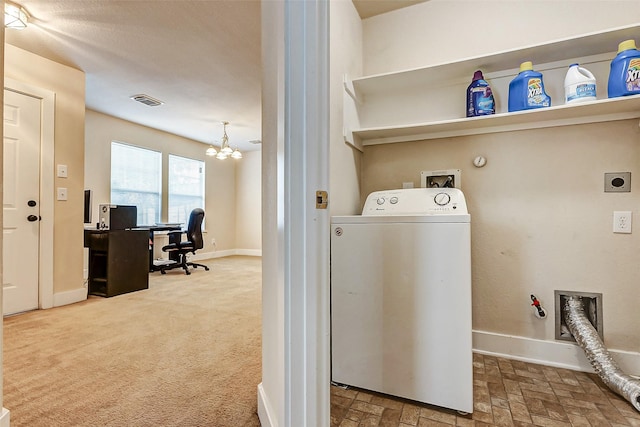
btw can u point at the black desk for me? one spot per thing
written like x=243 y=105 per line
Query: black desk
x=117 y=261
x=152 y=229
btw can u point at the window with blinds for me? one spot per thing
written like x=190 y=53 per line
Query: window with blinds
x=186 y=188
x=136 y=179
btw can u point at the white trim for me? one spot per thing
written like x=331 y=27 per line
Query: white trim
x=561 y=354
x=200 y=256
x=69 y=297
x=272 y=206
x=46 y=185
x=306 y=227
x=249 y=252
x=5 y=418
x=265 y=413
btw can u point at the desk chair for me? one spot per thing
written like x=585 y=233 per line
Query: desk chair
x=178 y=249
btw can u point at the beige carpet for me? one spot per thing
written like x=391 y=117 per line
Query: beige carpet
x=186 y=352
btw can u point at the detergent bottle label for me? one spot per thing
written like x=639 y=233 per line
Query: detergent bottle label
x=633 y=75
x=583 y=90
x=536 y=97
x=482 y=101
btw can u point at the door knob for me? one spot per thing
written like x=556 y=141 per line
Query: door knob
x=32 y=218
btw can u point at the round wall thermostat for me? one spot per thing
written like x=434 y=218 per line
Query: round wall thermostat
x=479 y=161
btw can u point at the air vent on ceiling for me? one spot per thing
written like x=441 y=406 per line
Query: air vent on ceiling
x=255 y=141
x=147 y=100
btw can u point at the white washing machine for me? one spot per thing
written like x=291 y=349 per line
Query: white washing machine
x=401 y=297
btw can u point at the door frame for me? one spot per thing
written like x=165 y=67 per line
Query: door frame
x=47 y=127
x=295 y=124
x=306 y=231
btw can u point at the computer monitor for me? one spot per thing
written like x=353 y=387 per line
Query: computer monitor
x=87 y=206
x=118 y=217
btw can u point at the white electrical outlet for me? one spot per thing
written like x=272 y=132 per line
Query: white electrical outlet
x=62 y=193
x=62 y=171
x=622 y=221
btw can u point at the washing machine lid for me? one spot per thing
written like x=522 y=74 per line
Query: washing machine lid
x=416 y=201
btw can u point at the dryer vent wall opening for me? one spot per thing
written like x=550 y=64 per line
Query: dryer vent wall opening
x=601 y=361
x=592 y=304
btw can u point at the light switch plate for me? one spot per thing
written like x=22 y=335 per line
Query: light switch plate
x=62 y=193
x=62 y=171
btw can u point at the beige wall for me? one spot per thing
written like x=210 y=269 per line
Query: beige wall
x=540 y=218
x=220 y=176
x=248 y=203
x=346 y=58
x=2 y=72
x=68 y=84
x=443 y=30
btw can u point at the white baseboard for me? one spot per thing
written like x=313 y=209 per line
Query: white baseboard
x=199 y=256
x=561 y=354
x=69 y=297
x=264 y=409
x=249 y=252
x=5 y=418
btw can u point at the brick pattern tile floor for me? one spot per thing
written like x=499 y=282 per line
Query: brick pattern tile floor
x=506 y=393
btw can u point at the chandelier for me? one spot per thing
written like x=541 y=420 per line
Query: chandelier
x=15 y=16
x=225 y=150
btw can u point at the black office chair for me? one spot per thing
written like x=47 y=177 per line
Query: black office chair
x=178 y=249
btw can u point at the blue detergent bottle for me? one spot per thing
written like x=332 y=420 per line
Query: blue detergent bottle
x=480 y=100
x=526 y=90
x=624 y=77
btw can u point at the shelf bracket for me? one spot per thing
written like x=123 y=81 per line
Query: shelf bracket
x=352 y=140
x=348 y=87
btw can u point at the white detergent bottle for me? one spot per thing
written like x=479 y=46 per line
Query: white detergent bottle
x=579 y=85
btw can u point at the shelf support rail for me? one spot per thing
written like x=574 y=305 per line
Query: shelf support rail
x=350 y=115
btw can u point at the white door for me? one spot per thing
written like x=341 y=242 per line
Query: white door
x=21 y=202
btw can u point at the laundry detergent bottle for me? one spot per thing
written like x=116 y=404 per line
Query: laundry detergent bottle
x=526 y=90
x=480 y=100
x=624 y=77
x=579 y=85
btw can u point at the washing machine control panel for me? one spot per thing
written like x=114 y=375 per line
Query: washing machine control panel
x=416 y=201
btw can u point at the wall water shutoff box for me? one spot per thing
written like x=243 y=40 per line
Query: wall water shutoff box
x=449 y=178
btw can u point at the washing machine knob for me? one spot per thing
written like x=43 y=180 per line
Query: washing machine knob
x=442 y=199
x=380 y=200
x=393 y=200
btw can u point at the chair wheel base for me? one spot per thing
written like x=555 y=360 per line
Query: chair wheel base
x=184 y=265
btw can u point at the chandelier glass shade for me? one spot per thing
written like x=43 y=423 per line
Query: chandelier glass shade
x=225 y=150
x=15 y=16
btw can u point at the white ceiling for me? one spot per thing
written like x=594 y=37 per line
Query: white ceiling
x=201 y=58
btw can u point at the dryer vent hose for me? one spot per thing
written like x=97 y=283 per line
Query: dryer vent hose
x=602 y=362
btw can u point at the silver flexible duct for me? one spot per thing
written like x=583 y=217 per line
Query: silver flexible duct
x=602 y=362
